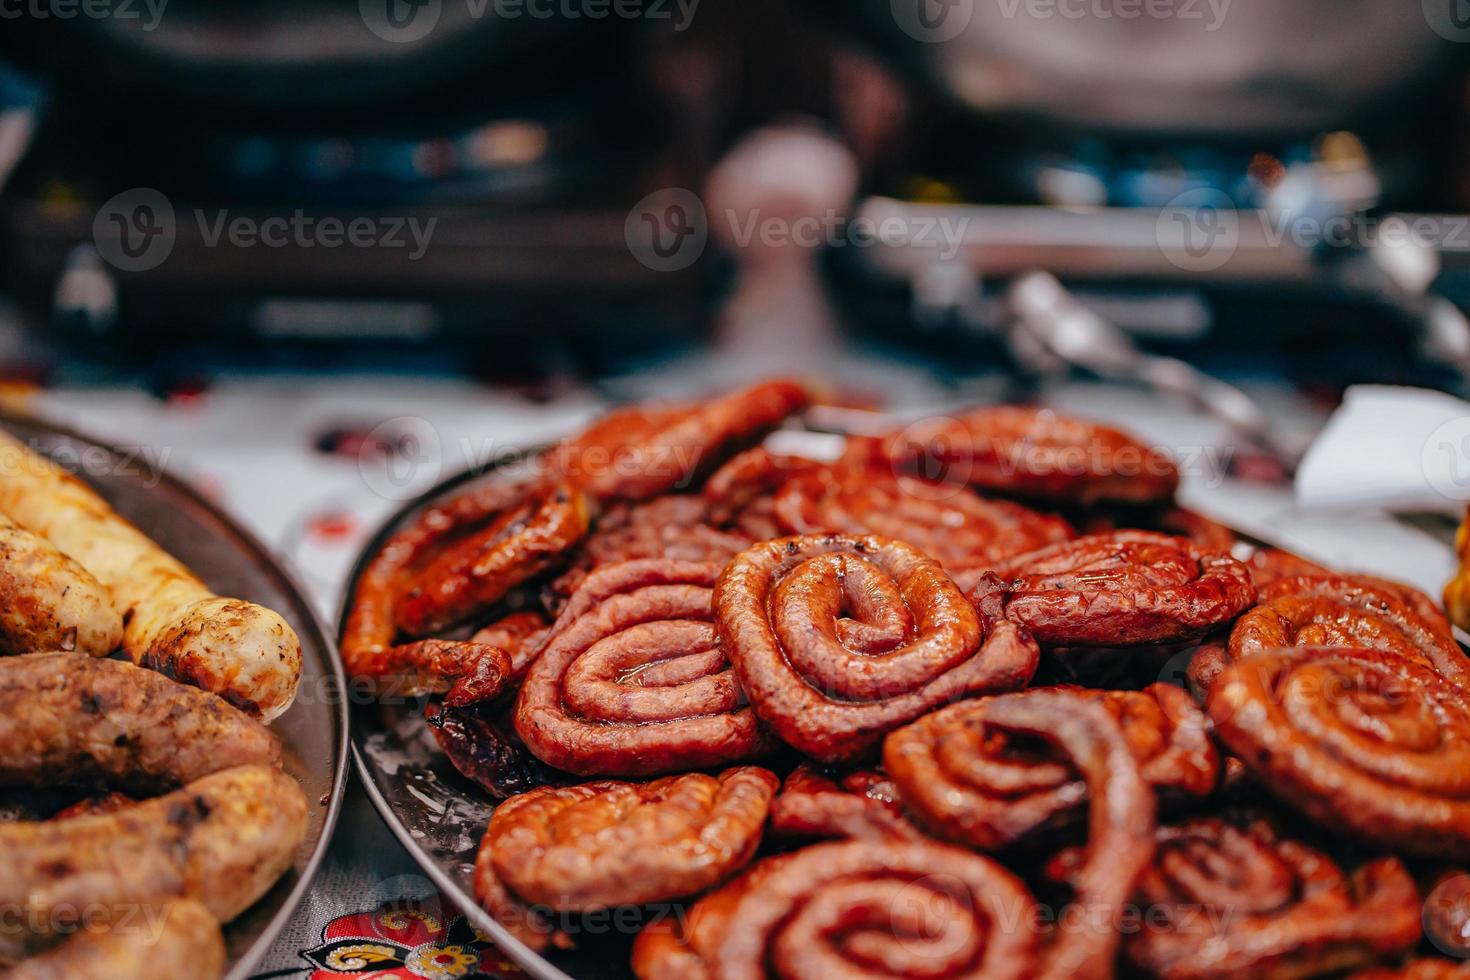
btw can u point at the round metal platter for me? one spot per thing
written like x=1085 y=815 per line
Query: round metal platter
x=439 y=816
x=231 y=562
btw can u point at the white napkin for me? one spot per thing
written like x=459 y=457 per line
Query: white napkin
x=1397 y=449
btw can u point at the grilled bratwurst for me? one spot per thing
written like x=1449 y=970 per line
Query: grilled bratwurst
x=48 y=601
x=71 y=719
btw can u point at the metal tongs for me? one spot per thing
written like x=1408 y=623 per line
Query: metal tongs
x=1045 y=321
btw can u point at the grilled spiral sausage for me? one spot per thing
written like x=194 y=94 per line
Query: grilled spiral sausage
x=858 y=908
x=1234 y=897
x=972 y=782
x=172 y=623
x=1361 y=740
x=634 y=680
x=1329 y=610
x=838 y=639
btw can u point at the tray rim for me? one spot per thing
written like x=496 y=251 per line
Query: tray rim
x=245 y=964
x=525 y=957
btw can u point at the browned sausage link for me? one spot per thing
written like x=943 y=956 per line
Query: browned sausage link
x=534 y=530
x=93 y=805
x=645 y=450
x=487 y=751
x=811 y=804
x=604 y=844
x=223 y=840
x=160 y=940
x=1036 y=453
x=1123 y=588
x=521 y=635
x=368 y=651
x=69 y=718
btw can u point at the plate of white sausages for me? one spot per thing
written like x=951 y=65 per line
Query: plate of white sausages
x=172 y=723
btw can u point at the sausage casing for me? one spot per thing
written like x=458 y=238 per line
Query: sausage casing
x=223 y=839
x=68 y=718
x=48 y=601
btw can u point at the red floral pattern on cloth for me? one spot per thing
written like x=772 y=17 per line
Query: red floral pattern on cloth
x=423 y=939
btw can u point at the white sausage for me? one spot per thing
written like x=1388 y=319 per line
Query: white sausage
x=48 y=602
x=172 y=623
